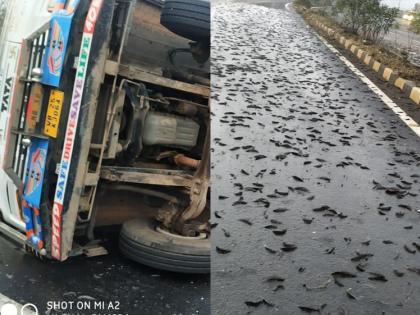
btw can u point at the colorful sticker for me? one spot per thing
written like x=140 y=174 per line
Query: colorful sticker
x=35 y=171
x=72 y=123
x=52 y=64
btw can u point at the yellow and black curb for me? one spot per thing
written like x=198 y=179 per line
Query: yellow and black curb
x=385 y=73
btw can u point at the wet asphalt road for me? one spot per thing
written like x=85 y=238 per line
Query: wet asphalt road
x=111 y=278
x=315 y=181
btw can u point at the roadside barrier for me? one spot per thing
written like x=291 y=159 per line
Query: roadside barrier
x=387 y=74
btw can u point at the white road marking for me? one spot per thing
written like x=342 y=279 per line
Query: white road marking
x=390 y=103
x=4 y=300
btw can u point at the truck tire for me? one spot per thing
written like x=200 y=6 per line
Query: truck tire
x=143 y=243
x=187 y=18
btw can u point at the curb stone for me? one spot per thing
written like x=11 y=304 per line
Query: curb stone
x=385 y=73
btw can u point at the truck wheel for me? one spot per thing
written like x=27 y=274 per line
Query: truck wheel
x=142 y=241
x=187 y=18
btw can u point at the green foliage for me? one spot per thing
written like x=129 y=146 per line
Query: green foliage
x=351 y=11
x=369 y=18
x=415 y=24
x=304 y=3
x=396 y=26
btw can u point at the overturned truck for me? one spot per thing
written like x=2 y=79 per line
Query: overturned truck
x=106 y=121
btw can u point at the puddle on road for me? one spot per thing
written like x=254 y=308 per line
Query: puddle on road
x=316 y=182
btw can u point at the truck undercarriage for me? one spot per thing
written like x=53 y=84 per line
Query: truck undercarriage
x=122 y=138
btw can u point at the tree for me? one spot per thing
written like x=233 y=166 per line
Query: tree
x=415 y=24
x=369 y=18
x=351 y=10
x=376 y=19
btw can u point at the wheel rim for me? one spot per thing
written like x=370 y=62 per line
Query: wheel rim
x=201 y=236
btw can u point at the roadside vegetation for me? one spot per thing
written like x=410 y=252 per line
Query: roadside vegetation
x=365 y=22
x=368 y=19
x=415 y=24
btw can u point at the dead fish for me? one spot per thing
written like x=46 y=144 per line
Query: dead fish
x=417 y=246
x=287 y=247
x=328 y=180
x=360 y=257
x=320 y=209
x=388 y=242
x=311 y=309
x=377 y=277
x=280 y=210
x=264 y=201
x=246 y=221
x=281 y=193
x=405 y=207
x=259 y=157
x=258 y=303
x=217 y=215
x=297 y=178
x=222 y=250
x=301 y=189
x=280 y=232
x=270 y=227
x=398 y=273
x=278 y=287
x=361 y=267
x=342 y=215
x=275 y=278
x=330 y=251
x=307 y=221
x=226 y=233
x=409 y=250
x=392 y=191
x=413 y=269
x=350 y=295
x=244 y=172
x=384 y=208
x=270 y=250
x=343 y=274
x=239 y=202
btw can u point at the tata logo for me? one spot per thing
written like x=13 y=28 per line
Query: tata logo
x=6 y=95
x=12 y=309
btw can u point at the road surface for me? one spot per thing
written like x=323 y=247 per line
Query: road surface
x=134 y=288
x=316 y=181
